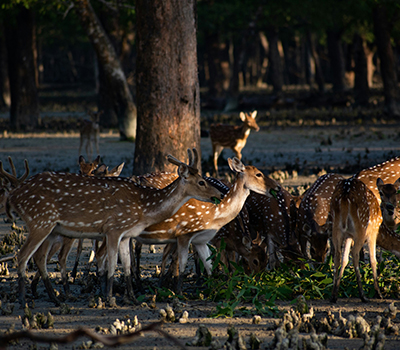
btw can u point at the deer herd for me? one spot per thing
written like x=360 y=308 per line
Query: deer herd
x=256 y=220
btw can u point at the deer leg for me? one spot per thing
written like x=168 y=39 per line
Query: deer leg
x=183 y=253
x=101 y=257
x=136 y=265
x=217 y=149
x=62 y=259
x=125 y=256
x=356 y=263
x=78 y=255
x=112 y=258
x=372 y=259
x=96 y=140
x=41 y=255
x=342 y=257
x=238 y=152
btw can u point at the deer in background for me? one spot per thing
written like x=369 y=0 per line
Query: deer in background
x=356 y=220
x=90 y=133
x=233 y=137
x=80 y=206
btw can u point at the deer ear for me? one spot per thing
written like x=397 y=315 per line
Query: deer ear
x=96 y=161
x=242 y=116
x=254 y=114
x=118 y=169
x=82 y=160
x=246 y=242
x=236 y=165
x=183 y=171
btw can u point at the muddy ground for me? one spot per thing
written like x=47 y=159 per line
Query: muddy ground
x=306 y=149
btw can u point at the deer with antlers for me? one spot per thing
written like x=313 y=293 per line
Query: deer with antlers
x=197 y=223
x=91 y=207
x=230 y=136
x=90 y=133
x=356 y=220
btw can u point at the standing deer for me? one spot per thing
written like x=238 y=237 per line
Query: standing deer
x=90 y=133
x=356 y=220
x=233 y=137
x=90 y=207
x=63 y=243
x=197 y=223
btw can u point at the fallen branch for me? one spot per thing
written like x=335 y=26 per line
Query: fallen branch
x=7 y=258
x=107 y=340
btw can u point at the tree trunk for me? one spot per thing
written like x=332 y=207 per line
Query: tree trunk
x=336 y=60
x=113 y=72
x=168 y=93
x=319 y=77
x=385 y=52
x=275 y=69
x=361 y=88
x=24 y=111
x=215 y=77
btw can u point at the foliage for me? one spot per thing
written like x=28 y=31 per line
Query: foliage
x=289 y=281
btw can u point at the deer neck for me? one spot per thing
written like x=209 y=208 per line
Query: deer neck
x=388 y=240
x=244 y=131
x=233 y=201
x=163 y=203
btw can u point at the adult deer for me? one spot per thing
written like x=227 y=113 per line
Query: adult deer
x=63 y=243
x=312 y=224
x=230 y=136
x=197 y=223
x=90 y=133
x=356 y=220
x=91 y=207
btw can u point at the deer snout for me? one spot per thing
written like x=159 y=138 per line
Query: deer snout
x=390 y=208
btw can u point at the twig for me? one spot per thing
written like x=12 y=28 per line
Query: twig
x=107 y=340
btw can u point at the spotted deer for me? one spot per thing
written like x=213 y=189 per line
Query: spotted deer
x=197 y=223
x=230 y=136
x=64 y=244
x=274 y=218
x=96 y=207
x=312 y=224
x=357 y=219
x=90 y=133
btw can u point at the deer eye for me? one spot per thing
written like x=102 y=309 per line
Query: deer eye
x=202 y=183
x=259 y=175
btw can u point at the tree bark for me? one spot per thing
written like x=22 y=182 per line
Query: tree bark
x=114 y=75
x=336 y=60
x=387 y=66
x=361 y=88
x=24 y=111
x=168 y=94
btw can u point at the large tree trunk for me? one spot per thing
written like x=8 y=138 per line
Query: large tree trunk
x=361 y=88
x=20 y=33
x=167 y=83
x=385 y=52
x=113 y=72
x=336 y=60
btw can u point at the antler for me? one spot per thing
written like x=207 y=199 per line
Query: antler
x=193 y=156
x=12 y=178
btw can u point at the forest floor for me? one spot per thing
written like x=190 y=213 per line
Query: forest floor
x=308 y=149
